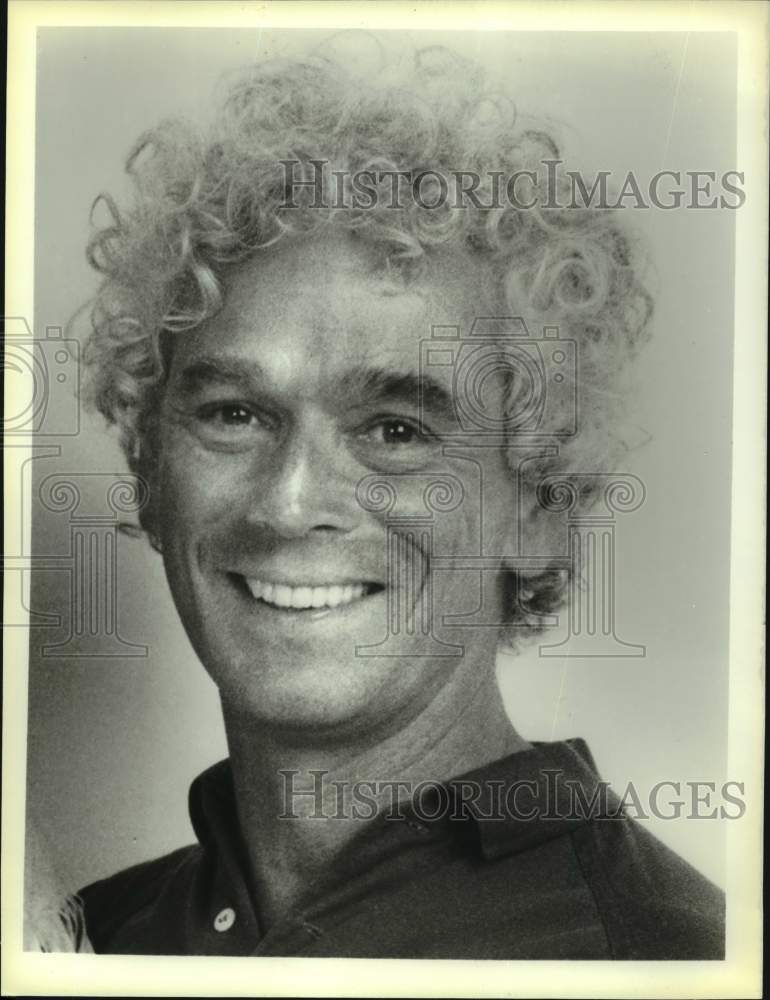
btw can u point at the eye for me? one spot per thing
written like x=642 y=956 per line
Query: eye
x=391 y=443
x=231 y=425
x=227 y=415
x=395 y=433
x=230 y=414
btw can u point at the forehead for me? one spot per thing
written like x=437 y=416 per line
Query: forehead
x=311 y=308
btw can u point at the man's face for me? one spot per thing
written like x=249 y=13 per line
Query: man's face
x=275 y=413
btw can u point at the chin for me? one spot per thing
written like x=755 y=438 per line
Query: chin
x=319 y=696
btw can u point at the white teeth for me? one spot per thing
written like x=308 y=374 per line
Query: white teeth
x=302 y=597
x=282 y=596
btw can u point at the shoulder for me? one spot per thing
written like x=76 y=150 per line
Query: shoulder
x=113 y=903
x=654 y=904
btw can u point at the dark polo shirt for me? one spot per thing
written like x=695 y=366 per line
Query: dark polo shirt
x=540 y=872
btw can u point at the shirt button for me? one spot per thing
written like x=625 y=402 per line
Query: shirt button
x=225 y=919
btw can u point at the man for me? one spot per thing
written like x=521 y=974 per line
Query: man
x=343 y=544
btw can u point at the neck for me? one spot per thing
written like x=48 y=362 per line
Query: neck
x=290 y=858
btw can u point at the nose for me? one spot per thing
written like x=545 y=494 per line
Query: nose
x=305 y=487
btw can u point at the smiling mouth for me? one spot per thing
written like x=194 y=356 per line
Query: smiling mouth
x=309 y=598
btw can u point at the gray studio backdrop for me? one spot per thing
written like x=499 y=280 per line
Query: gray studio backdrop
x=115 y=740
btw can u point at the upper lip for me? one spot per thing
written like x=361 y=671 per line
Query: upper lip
x=309 y=579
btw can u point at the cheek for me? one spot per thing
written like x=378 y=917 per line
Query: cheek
x=458 y=533
x=195 y=492
x=485 y=521
x=500 y=510
x=500 y=524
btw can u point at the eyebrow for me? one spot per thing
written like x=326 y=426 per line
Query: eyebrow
x=204 y=371
x=385 y=385
x=371 y=385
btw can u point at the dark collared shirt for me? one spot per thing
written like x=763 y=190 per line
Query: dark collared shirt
x=546 y=871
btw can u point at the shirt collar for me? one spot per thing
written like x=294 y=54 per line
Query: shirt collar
x=504 y=807
x=531 y=796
